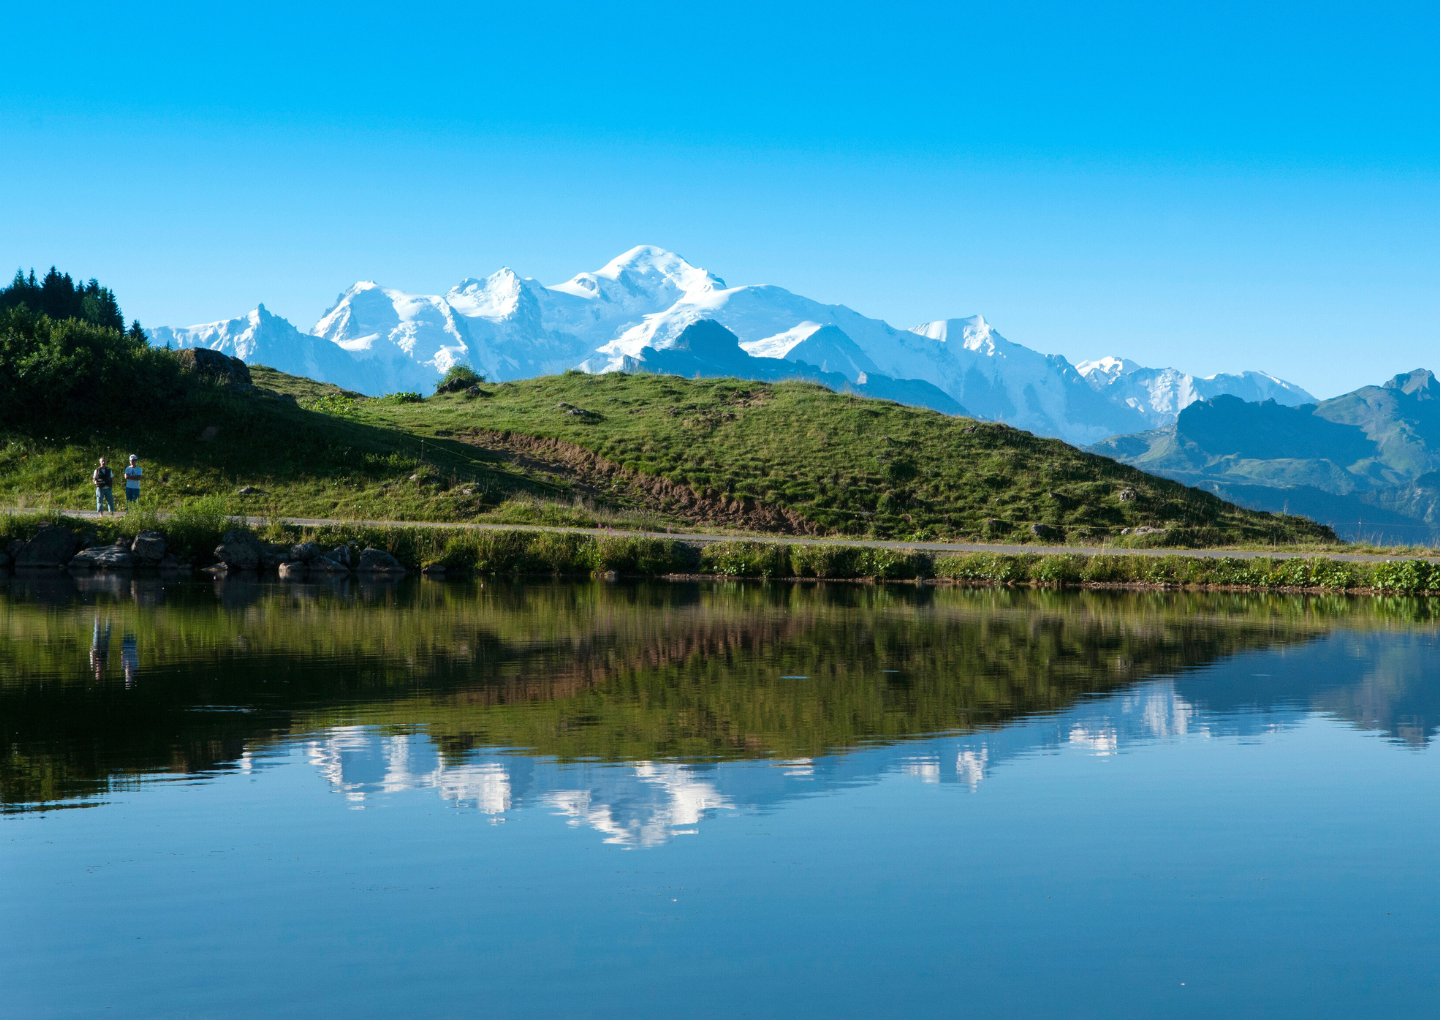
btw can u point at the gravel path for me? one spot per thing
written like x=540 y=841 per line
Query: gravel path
x=938 y=547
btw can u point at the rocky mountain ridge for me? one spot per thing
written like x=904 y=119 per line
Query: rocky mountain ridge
x=627 y=314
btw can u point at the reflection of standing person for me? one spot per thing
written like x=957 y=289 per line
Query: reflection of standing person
x=132 y=480
x=104 y=480
x=100 y=649
x=129 y=658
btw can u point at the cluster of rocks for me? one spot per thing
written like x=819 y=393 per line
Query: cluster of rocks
x=240 y=550
x=53 y=546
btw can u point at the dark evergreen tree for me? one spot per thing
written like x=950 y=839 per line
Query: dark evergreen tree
x=59 y=297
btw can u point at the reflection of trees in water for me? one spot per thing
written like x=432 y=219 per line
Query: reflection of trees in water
x=614 y=672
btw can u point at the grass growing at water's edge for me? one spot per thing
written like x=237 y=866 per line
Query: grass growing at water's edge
x=197 y=527
x=662 y=452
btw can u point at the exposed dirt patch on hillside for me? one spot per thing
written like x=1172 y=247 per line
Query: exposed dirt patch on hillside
x=603 y=481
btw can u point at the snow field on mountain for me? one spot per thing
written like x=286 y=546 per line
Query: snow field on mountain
x=512 y=327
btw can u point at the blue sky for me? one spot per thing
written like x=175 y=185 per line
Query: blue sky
x=1219 y=188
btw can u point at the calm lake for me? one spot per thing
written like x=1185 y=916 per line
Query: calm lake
x=244 y=799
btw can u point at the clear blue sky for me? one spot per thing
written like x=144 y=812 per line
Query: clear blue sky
x=1218 y=188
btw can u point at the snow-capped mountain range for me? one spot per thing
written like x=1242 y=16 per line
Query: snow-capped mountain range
x=378 y=340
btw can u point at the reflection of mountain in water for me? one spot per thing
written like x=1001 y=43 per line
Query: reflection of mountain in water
x=646 y=803
x=399 y=688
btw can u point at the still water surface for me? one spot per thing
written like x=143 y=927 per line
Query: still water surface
x=246 y=800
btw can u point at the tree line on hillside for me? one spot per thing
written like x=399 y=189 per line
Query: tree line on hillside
x=60 y=297
x=67 y=361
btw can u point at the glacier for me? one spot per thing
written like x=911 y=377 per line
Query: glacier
x=630 y=314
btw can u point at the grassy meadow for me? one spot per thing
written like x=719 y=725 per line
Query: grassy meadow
x=642 y=451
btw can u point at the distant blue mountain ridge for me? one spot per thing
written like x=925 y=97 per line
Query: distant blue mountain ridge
x=706 y=349
x=1367 y=463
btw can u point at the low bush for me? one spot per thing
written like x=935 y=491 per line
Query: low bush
x=195 y=527
x=70 y=376
x=460 y=377
x=336 y=404
x=746 y=559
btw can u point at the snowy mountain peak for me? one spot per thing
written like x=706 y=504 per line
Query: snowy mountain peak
x=643 y=275
x=1103 y=371
x=501 y=295
x=973 y=332
x=646 y=261
x=391 y=326
x=639 y=305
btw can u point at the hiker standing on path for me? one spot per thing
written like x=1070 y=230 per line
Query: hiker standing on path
x=104 y=480
x=132 y=481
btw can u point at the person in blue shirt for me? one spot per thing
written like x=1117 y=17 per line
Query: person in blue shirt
x=132 y=480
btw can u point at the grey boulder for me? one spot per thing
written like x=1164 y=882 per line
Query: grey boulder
x=293 y=570
x=103 y=557
x=378 y=561
x=214 y=364
x=325 y=565
x=240 y=550
x=341 y=555
x=306 y=551
x=148 y=548
x=52 y=546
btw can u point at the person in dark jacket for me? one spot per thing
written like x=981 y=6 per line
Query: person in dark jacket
x=104 y=480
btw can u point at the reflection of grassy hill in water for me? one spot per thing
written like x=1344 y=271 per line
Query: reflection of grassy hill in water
x=659 y=450
x=587 y=671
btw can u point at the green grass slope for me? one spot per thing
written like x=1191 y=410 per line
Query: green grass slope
x=641 y=449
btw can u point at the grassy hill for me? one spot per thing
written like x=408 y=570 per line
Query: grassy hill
x=649 y=450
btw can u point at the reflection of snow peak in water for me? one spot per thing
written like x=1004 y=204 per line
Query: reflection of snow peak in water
x=357 y=763
x=647 y=803
x=684 y=802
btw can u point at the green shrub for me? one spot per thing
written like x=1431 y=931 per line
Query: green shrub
x=746 y=559
x=336 y=404
x=825 y=561
x=1334 y=574
x=651 y=557
x=1067 y=569
x=401 y=397
x=893 y=564
x=460 y=377
x=991 y=568
x=72 y=375
x=195 y=527
x=1402 y=576
x=142 y=515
